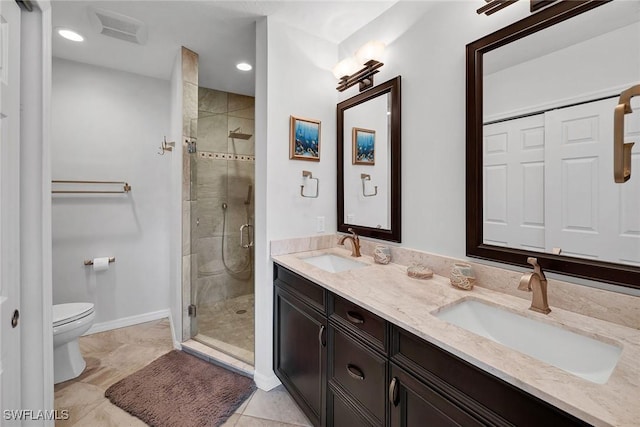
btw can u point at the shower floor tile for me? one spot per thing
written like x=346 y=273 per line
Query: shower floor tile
x=229 y=326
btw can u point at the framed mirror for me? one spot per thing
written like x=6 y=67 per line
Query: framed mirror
x=541 y=95
x=369 y=162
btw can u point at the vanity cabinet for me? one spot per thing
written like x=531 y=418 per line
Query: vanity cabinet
x=345 y=366
x=299 y=347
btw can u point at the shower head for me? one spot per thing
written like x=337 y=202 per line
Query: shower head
x=239 y=135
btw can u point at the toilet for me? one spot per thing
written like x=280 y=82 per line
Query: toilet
x=69 y=322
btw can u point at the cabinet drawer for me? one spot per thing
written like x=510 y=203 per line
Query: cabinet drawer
x=359 y=371
x=302 y=288
x=492 y=399
x=343 y=413
x=354 y=317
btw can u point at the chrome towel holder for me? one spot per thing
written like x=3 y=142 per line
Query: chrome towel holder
x=366 y=177
x=307 y=174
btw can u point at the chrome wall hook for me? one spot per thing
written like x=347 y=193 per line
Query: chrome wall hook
x=307 y=174
x=366 y=177
x=166 y=146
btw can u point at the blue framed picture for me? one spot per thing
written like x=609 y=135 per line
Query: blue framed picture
x=364 y=146
x=304 y=139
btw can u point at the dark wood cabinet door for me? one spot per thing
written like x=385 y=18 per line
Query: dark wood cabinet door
x=300 y=355
x=414 y=404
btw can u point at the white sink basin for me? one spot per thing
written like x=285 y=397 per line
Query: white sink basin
x=333 y=263
x=577 y=354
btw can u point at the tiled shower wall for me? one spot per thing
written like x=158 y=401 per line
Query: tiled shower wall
x=222 y=170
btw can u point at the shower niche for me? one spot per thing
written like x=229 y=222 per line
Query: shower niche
x=222 y=165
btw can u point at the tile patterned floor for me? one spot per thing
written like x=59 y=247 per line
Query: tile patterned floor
x=113 y=355
x=229 y=326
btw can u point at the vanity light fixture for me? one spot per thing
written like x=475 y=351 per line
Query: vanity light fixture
x=360 y=68
x=243 y=66
x=69 y=34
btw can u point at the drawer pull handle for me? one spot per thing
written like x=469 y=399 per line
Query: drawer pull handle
x=393 y=391
x=355 y=317
x=355 y=372
x=321 y=336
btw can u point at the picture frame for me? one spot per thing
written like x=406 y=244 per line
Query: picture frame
x=363 y=146
x=304 y=139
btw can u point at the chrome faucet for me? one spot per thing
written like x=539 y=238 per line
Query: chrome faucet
x=355 y=242
x=537 y=283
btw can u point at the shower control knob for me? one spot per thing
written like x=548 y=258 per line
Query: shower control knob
x=197 y=222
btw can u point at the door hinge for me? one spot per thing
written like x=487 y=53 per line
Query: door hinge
x=192 y=310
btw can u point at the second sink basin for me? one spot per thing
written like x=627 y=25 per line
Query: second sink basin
x=333 y=263
x=577 y=354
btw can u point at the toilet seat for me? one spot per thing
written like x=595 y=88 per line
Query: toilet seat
x=67 y=313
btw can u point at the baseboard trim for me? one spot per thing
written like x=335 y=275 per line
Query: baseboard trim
x=266 y=382
x=129 y=321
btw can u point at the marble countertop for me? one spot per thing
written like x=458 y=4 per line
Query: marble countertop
x=409 y=303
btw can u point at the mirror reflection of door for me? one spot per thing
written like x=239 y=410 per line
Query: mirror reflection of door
x=548 y=105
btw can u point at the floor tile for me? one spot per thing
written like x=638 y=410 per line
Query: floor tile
x=246 y=421
x=113 y=355
x=79 y=399
x=276 y=405
x=108 y=415
x=231 y=422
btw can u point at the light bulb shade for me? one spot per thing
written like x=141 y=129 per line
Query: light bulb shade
x=370 y=50
x=346 y=67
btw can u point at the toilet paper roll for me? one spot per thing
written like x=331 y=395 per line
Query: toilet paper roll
x=100 y=264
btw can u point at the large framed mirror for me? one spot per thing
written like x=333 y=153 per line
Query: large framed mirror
x=368 y=136
x=541 y=95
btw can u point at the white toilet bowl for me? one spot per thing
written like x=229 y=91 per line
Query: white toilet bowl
x=69 y=322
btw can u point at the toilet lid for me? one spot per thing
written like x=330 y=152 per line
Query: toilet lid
x=65 y=313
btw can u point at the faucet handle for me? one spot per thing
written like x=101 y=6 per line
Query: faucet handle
x=536 y=267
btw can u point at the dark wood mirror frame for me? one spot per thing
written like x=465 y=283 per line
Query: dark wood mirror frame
x=619 y=274
x=391 y=87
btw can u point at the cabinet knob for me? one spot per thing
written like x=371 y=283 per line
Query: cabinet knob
x=393 y=391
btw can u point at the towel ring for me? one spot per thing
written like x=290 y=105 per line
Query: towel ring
x=307 y=174
x=366 y=177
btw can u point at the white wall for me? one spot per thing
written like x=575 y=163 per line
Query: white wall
x=107 y=125
x=426 y=46
x=606 y=62
x=293 y=78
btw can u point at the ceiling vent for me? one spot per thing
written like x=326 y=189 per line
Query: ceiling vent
x=118 y=26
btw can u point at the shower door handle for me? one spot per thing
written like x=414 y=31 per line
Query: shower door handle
x=249 y=227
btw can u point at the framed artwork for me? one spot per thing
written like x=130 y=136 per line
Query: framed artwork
x=304 y=139
x=364 y=146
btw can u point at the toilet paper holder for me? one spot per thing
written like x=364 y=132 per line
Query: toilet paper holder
x=90 y=261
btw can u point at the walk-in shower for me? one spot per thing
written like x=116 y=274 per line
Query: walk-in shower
x=222 y=221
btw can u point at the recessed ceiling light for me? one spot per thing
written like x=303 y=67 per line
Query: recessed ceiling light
x=243 y=66
x=70 y=35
